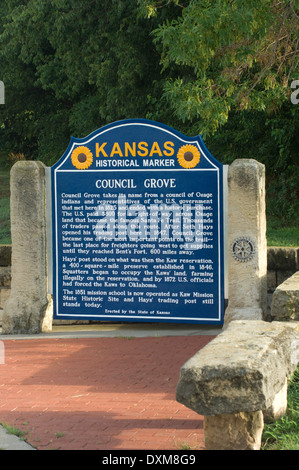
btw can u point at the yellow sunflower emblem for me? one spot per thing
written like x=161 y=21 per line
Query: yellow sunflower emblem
x=188 y=156
x=82 y=158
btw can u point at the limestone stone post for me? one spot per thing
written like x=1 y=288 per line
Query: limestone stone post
x=247 y=257
x=238 y=431
x=26 y=307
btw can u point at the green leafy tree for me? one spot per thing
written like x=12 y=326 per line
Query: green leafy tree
x=233 y=54
x=235 y=61
x=71 y=66
x=272 y=140
x=220 y=68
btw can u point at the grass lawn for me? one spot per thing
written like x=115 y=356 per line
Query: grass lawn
x=281 y=236
x=283 y=434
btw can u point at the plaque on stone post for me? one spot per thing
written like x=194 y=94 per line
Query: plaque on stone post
x=137 y=227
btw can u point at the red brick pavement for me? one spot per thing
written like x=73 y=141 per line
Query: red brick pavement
x=99 y=393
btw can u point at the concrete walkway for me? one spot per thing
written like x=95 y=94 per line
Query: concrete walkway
x=9 y=441
x=114 y=330
x=102 y=387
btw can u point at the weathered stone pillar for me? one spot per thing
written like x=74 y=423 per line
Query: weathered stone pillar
x=238 y=431
x=26 y=307
x=247 y=259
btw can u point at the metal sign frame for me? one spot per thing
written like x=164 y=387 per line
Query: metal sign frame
x=132 y=216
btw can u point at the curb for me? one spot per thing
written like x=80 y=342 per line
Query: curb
x=12 y=442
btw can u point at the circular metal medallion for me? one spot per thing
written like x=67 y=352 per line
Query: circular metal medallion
x=243 y=249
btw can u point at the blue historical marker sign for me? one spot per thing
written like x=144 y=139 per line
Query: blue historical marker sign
x=137 y=227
